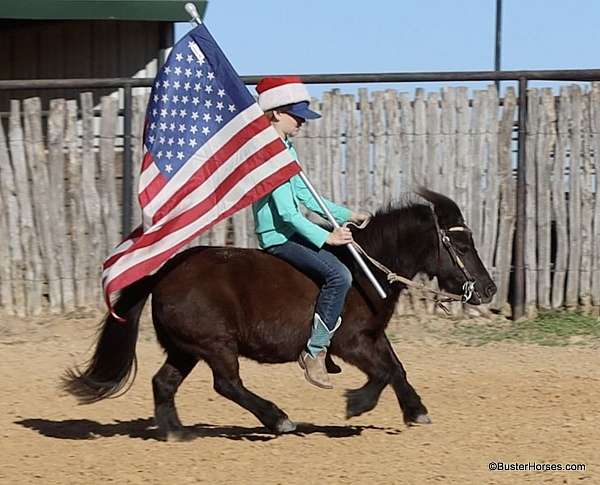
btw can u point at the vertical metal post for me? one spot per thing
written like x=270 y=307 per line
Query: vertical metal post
x=518 y=304
x=497 y=53
x=166 y=39
x=127 y=165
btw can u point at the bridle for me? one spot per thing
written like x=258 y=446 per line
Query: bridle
x=443 y=237
x=443 y=240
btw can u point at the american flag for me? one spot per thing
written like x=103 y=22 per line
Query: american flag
x=209 y=152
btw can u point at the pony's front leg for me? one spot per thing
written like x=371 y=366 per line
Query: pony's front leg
x=359 y=401
x=413 y=409
x=376 y=358
x=330 y=365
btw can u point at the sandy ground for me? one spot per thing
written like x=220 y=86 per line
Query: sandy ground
x=509 y=403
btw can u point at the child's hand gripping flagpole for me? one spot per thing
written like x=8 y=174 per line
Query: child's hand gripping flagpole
x=350 y=247
x=191 y=9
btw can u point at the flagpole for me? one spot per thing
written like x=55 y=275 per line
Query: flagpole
x=350 y=247
x=191 y=10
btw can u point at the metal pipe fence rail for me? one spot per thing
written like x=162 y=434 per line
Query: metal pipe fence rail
x=526 y=183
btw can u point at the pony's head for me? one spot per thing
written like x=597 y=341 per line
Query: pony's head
x=433 y=239
x=457 y=264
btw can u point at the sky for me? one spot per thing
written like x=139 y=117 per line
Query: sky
x=267 y=37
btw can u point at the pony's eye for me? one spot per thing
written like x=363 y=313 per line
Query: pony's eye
x=461 y=248
x=462 y=243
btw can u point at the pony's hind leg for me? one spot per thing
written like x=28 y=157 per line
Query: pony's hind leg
x=227 y=382
x=164 y=386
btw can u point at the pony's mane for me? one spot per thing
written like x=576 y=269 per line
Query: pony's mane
x=406 y=218
x=405 y=199
x=406 y=204
x=408 y=210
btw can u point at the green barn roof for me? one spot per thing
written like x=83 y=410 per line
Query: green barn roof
x=153 y=10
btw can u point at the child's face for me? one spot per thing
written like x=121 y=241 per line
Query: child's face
x=288 y=124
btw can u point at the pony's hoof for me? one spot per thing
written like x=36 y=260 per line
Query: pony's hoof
x=179 y=436
x=285 y=426
x=358 y=402
x=420 y=419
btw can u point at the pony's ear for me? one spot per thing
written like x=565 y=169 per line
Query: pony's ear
x=445 y=209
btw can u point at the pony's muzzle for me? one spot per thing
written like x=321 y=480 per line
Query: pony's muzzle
x=489 y=291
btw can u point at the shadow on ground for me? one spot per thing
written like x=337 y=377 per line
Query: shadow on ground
x=144 y=428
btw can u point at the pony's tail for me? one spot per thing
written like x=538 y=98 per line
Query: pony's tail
x=114 y=363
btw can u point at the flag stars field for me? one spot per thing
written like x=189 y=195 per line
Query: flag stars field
x=172 y=81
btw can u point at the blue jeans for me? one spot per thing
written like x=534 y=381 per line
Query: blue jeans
x=323 y=266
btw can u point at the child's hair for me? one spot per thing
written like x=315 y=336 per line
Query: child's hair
x=269 y=114
x=280 y=109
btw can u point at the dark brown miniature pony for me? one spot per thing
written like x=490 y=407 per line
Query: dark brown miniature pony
x=215 y=304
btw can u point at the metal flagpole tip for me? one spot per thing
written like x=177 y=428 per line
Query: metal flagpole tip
x=190 y=8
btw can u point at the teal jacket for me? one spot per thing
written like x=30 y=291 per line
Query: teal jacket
x=278 y=217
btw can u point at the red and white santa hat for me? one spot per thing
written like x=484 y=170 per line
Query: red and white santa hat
x=274 y=92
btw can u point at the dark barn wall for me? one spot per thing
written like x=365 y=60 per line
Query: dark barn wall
x=76 y=49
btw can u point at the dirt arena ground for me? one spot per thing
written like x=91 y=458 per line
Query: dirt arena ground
x=509 y=403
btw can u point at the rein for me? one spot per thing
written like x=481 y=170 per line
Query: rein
x=444 y=239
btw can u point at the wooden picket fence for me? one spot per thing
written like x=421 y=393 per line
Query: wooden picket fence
x=60 y=186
